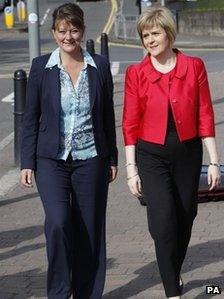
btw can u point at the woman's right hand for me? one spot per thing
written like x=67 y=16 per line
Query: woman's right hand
x=134 y=182
x=26 y=178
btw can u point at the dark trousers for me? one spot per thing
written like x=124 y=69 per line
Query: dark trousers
x=170 y=177
x=74 y=196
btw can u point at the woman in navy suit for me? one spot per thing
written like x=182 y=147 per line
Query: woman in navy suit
x=69 y=143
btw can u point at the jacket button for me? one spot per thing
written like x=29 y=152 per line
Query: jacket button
x=174 y=101
x=179 y=121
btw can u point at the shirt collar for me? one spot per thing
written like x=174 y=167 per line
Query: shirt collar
x=55 y=60
x=154 y=75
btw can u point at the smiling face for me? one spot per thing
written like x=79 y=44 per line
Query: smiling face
x=155 y=41
x=68 y=37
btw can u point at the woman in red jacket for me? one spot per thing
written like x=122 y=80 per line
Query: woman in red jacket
x=167 y=112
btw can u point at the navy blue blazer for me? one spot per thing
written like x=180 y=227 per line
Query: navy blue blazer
x=41 y=119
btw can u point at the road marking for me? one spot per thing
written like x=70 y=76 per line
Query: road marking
x=8 y=139
x=9 y=98
x=110 y=20
x=8 y=182
x=45 y=17
x=115 y=68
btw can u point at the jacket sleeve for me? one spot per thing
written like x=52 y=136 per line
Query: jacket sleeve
x=30 y=120
x=109 y=118
x=131 y=111
x=206 y=126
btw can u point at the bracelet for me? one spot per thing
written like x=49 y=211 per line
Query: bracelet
x=214 y=164
x=128 y=164
x=132 y=177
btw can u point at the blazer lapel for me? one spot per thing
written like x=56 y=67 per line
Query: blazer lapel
x=149 y=70
x=92 y=78
x=54 y=87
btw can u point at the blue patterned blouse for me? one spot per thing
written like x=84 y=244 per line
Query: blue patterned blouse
x=76 y=130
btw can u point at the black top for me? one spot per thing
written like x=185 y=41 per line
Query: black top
x=171 y=126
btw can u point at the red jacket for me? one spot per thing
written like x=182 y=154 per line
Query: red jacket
x=145 y=114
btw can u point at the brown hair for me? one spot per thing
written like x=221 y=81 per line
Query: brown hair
x=161 y=16
x=71 y=13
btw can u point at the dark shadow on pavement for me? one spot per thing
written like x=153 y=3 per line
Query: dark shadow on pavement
x=14 y=237
x=27 y=284
x=18 y=199
x=218 y=101
x=199 y=255
x=215 y=281
x=17 y=251
x=143 y=282
x=219 y=123
x=32 y=283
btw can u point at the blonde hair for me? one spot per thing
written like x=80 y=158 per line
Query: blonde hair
x=158 y=17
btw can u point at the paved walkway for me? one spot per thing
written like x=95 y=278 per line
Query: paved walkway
x=132 y=270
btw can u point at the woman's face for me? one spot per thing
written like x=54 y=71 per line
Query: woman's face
x=68 y=37
x=155 y=40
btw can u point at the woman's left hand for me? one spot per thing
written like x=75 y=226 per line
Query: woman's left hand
x=113 y=173
x=214 y=176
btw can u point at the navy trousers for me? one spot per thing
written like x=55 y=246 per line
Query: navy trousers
x=74 y=195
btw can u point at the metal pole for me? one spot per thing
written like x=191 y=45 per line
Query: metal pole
x=162 y=2
x=90 y=46
x=139 y=4
x=20 y=80
x=121 y=6
x=33 y=28
x=104 y=45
